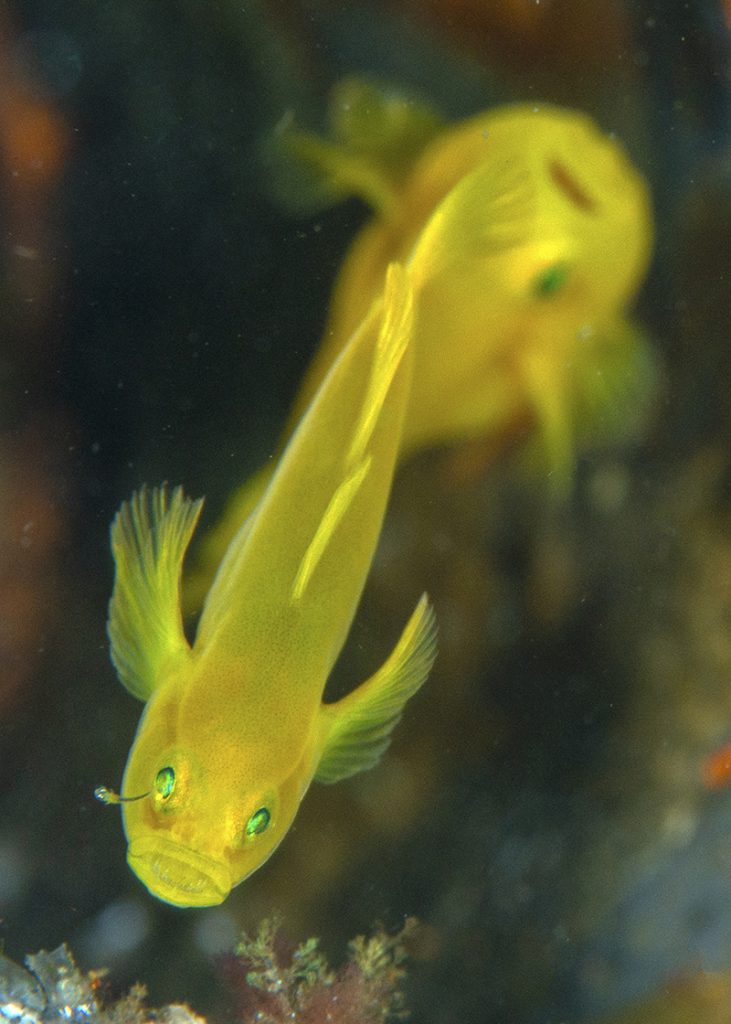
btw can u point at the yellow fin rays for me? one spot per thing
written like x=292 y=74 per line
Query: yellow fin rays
x=150 y=535
x=358 y=727
x=393 y=338
x=336 y=509
x=394 y=333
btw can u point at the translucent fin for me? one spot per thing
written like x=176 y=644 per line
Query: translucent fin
x=544 y=378
x=490 y=210
x=340 y=173
x=604 y=396
x=358 y=727
x=377 y=134
x=617 y=378
x=390 y=126
x=150 y=534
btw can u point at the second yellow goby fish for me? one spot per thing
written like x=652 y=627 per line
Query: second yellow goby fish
x=527 y=232
x=234 y=728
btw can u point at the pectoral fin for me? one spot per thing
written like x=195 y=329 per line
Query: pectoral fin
x=603 y=395
x=150 y=535
x=339 y=172
x=377 y=134
x=546 y=388
x=358 y=727
x=616 y=376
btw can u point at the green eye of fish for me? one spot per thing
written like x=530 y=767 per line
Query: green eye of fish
x=258 y=822
x=165 y=782
x=550 y=280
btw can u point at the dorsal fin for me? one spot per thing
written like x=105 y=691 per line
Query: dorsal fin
x=336 y=509
x=150 y=535
x=310 y=543
x=390 y=348
x=490 y=210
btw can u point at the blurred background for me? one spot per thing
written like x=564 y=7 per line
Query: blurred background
x=543 y=808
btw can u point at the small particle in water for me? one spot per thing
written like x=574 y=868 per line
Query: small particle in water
x=25 y=252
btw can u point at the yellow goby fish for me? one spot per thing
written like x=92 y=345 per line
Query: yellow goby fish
x=527 y=232
x=234 y=728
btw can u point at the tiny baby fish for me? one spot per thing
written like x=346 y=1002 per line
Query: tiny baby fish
x=234 y=727
x=527 y=232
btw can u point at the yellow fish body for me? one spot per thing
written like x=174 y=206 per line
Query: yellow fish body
x=234 y=727
x=527 y=232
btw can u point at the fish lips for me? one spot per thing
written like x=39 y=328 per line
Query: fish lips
x=178 y=875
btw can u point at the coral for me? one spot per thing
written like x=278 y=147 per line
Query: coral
x=54 y=989
x=272 y=982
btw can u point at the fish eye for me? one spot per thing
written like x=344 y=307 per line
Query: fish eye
x=258 y=822
x=165 y=782
x=550 y=281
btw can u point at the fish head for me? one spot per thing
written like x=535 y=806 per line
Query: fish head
x=593 y=230
x=201 y=814
x=552 y=225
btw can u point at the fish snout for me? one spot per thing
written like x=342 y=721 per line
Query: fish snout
x=177 y=874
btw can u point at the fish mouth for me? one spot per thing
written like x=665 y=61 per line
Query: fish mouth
x=178 y=875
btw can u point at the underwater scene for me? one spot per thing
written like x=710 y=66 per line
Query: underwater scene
x=365 y=511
